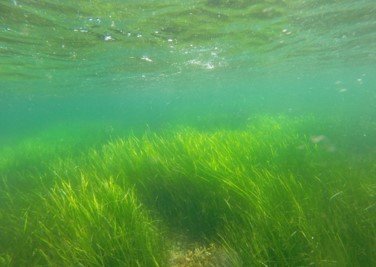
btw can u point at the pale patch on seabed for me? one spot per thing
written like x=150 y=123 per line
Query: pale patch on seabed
x=183 y=255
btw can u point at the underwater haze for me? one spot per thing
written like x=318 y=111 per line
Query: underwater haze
x=188 y=133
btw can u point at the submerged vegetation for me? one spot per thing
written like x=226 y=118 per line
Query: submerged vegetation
x=160 y=163
x=271 y=194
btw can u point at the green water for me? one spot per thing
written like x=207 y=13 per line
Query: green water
x=187 y=133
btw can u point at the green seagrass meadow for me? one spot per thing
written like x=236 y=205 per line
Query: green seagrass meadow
x=267 y=194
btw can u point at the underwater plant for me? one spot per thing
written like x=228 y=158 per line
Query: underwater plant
x=262 y=195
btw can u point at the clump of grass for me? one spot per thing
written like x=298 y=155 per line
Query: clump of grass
x=94 y=223
x=264 y=195
x=5 y=260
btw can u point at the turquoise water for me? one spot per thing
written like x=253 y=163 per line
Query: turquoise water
x=80 y=74
x=159 y=62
